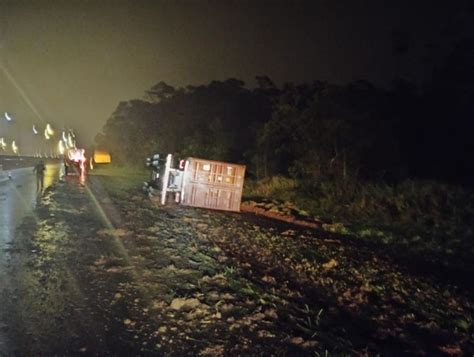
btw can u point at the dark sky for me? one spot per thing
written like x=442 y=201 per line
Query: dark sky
x=70 y=62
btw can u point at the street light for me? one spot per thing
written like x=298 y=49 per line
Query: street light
x=7 y=116
x=61 y=147
x=48 y=132
x=70 y=140
x=14 y=147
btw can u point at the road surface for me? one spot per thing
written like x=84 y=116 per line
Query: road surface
x=18 y=197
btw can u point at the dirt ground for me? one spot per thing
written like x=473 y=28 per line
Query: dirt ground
x=104 y=271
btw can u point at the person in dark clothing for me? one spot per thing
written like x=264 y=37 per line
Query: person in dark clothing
x=39 y=170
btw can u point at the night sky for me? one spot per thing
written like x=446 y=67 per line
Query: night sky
x=71 y=62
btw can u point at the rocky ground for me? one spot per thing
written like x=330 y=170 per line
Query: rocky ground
x=103 y=270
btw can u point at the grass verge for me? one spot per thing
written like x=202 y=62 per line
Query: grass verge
x=427 y=219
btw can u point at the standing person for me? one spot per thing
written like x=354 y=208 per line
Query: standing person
x=66 y=167
x=39 y=170
x=62 y=171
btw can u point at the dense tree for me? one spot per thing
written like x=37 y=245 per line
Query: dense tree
x=213 y=121
x=449 y=115
x=311 y=131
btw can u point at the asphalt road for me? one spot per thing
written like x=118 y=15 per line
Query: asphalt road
x=18 y=197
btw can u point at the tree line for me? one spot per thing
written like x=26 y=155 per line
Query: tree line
x=313 y=131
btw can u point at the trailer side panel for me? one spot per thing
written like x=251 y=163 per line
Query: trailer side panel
x=212 y=184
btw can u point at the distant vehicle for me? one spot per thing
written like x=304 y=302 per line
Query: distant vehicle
x=197 y=182
x=75 y=158
x=102 y=157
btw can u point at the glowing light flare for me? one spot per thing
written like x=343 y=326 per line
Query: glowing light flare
x=7 y=116
x=70 y=141
x=48 y=132
x=3 y=144
x=77 y=155
x=12 y=80
x=82 y=178
x=14 y=147
x=49 y=129
x=34 y=130
x=61 y=147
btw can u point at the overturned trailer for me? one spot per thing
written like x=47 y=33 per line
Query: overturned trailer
x=198 y=182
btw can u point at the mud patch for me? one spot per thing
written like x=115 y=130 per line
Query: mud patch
x=186 y=281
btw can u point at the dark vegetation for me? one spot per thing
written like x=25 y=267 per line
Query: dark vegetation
x=389 y=164
x=310 y=131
